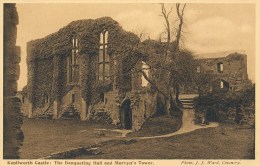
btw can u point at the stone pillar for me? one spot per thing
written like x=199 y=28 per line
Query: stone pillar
x=84 y=115
x=13 y=135
x=56 y=107
x=56 y=86
x=30 y=110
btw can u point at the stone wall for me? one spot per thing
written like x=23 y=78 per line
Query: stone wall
x=144 y=108
x=13 y=135
x=25 y=103
x=233 y=72
x=67 y=100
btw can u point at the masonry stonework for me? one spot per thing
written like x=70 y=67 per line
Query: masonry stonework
x=91 y=74
x=227 y=73
x=13 y=135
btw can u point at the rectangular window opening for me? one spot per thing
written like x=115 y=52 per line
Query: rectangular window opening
x=220 y=67
x=73 y=98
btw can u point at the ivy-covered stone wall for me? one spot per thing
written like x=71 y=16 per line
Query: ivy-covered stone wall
x=46 y=58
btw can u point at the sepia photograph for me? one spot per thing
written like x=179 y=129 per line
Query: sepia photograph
x=134 y=81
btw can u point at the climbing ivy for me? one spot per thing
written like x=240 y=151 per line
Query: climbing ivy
x=47 y=63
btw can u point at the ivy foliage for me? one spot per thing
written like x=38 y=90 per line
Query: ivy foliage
x=47 y=58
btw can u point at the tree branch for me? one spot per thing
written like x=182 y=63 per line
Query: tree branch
x=167 y=26
x=155 y=86
x=179 y=30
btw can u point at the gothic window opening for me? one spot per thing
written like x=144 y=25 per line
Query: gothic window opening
x=73 y=67
x=103 y=58
x=220 y=67
x=145 y=68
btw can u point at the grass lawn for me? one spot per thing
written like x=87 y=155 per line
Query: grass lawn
x=43 y=136
x=228 y=141
x=157 y=126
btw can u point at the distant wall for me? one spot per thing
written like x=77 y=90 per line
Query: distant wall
x=228 y=73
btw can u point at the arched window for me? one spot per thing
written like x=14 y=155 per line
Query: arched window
x=73 y=68
x=103 y=58
x=145 y=68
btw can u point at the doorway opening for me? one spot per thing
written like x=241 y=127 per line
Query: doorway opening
x=126 y=115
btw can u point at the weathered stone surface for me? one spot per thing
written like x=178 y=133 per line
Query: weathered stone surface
x=15 y=57
x=231 y=70
x=13 y=71
x=10 y=88
x=13 y=135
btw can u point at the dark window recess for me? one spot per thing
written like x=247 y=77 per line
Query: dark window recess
x=23 y=99
x=105 y=100
x=102 y=95
x=73 y=98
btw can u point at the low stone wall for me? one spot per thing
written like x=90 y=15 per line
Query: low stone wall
x=100 y=116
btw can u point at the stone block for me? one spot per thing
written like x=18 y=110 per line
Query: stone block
x=15 y=56
x=12 y=71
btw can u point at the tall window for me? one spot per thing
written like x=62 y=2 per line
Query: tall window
x=220 y=67
x=103 y=58
x=145 y=69
x=73 y=67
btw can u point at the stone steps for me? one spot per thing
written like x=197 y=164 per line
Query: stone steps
x=187 y=101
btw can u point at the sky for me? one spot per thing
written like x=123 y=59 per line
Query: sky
x=209 y=28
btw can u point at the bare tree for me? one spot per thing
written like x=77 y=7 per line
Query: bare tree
x=170 y=73
x=164 y=60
